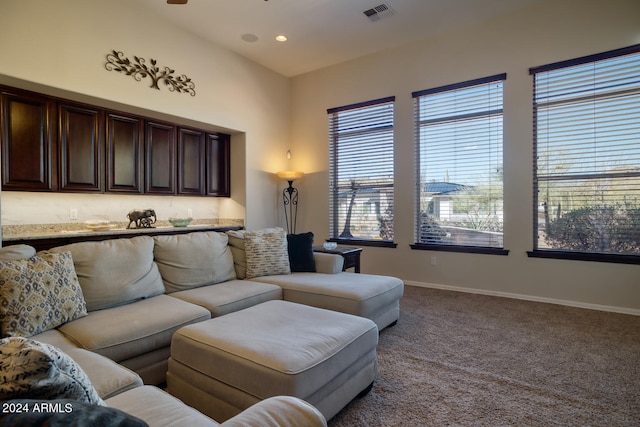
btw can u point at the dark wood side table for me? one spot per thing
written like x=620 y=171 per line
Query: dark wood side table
x=351 y=255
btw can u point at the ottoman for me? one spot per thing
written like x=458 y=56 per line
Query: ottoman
x=224 y=365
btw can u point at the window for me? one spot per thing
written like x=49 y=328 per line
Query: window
x=361 y=172
x=587 y=157
x=459 y=196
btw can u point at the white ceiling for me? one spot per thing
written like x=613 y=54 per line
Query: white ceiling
x=323 y=32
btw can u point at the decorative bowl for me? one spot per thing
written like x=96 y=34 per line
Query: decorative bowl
x=330 y=245
x=100 y=224
x=180 y=222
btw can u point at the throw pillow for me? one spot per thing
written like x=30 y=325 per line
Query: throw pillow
x=236 y=243
x=300 y=248
x=267 y=253
x=35 y=370
x=38 y=294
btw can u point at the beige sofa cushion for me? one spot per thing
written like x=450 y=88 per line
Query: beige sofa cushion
x=126 y=331
x=108 y=378
x=115 y=272
x=191 y=260
x=230 y=296
x=158 y=408
x=56 y=339
x=14 y=252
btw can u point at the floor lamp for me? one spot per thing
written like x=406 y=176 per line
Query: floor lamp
x=290 y=199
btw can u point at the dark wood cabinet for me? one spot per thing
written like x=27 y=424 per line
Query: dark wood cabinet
x=53 y=144
x=28 y=123
x=191 y=164
x=125 y=147
x=81 y=148
x=218 y=168
x=160 y=159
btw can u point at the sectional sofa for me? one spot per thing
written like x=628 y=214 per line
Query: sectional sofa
x=113 y=306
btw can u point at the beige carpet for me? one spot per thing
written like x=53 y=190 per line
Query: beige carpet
x=457 y=359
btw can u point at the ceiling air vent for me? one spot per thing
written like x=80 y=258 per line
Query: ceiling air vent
x=378 y=12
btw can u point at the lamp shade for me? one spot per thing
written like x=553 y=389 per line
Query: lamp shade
x=289 y=175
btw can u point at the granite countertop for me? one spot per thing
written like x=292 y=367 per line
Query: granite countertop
x=45 y=231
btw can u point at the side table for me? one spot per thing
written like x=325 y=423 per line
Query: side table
x=351 y=255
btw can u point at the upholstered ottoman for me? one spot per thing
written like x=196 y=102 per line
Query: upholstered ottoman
x=224 y=365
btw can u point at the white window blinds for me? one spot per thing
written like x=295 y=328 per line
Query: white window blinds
x=361 y=170
x=459 y=164
x=587 y=154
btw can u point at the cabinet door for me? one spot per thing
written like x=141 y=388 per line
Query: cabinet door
x=28 y=142
x=125 y=144
x=160 y=164
x=218 y=165
x=191 y=165
x=81 y=148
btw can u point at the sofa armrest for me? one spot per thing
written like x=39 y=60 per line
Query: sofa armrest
x=328 y=263
x=278 y=411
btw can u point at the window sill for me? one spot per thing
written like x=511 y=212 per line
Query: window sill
x=585 y=256
x=373 y=243
x=463 y=249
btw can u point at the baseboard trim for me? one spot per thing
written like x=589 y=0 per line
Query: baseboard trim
x=599 y=307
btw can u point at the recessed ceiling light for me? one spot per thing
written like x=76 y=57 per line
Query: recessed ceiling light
x=281 y=38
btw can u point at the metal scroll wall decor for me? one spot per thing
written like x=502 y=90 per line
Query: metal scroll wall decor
x=138 y=69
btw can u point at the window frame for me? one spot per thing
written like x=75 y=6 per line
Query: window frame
x=488 y=250
x=565 y=253
x=334 y=224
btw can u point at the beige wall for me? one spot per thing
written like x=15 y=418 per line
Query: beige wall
x=60 y=47
x=556 y=30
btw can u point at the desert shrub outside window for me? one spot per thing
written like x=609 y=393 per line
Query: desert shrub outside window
x=361 y=172
x=459 y=189
x=587 y=156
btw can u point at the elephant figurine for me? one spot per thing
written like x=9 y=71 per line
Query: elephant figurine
x=142 y=218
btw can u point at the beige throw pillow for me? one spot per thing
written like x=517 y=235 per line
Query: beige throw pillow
x=267 y=253
x=236 y=243
x=38 y=294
